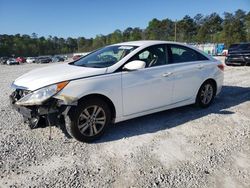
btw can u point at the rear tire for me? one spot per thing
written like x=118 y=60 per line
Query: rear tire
x=89 y=120
x=206 y=94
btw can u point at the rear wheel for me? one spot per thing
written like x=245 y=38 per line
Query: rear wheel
x=88 y=121
x=206 y=94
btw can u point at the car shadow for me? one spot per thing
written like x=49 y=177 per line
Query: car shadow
x=230 y=96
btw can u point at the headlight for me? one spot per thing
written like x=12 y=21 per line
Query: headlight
x=39 y=96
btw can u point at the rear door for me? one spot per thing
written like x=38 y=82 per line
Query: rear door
x=188 y=73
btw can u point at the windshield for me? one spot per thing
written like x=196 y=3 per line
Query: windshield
x=105 y=57
x=233 y=46
x=244 y=46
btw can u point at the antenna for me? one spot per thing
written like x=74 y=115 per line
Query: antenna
x=175 y=28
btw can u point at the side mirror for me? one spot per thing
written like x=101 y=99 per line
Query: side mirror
x=134 y=65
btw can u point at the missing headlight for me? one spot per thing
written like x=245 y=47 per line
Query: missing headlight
x=20 y=93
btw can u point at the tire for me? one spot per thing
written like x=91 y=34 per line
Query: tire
x=206 y=94
x=89 y=120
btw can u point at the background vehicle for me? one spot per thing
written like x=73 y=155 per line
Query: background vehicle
x=65 y=57
x=3 y=60
x=43 y=60
x=239 y=55
x=21 y=59
x=57 y=59
x=76 y=57
x=117 y=83
x=232 y=47
x=12 y=61
x=31 y=60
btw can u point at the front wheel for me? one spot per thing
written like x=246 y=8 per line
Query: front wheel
x=206 y=94
x=88 y=121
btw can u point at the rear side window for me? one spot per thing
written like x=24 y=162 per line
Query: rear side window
x=181 y=54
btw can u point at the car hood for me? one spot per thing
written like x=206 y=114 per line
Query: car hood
x=41 y=77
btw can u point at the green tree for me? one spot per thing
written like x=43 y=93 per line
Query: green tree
x=233 y=28
x=99 y=41
x=152 y=31
x=186 y=29
x=136 y=34
x=247 y=26
x=116 y=37
x=210 y=28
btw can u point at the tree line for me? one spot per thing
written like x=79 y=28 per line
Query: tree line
x=229 y=29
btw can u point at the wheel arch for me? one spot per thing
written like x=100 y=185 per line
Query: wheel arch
x=105 y=99
x=208 y=80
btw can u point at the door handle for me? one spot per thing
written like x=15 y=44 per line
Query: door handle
x=200 y=66
x=167 y=74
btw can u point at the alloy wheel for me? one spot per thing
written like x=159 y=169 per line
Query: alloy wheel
x=207 y=93
x=92 y=120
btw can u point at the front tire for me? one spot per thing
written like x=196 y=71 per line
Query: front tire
x=88 y=121
x=206 y=94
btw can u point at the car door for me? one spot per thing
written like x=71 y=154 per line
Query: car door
x=151 y=87
x=189 y=67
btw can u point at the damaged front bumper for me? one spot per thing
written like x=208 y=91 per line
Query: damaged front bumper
x=52 y=112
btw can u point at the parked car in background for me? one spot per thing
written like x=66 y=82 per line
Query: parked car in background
x=57 y=59
x=239 y=55
x=12 y=61
x=3 y=60
x=76 y=57
x=31 y=60
x=232 y=47
x=43 y=59
x=116 y=83
x=65 y=57
x=21 y=59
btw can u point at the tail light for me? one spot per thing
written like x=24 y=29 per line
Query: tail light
x=221 y=67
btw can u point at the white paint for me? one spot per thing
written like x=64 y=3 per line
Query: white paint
x=133 y=93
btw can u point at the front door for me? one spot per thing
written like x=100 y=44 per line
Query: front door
x=151 y=87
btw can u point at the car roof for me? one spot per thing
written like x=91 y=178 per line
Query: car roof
x=237 y=44
x=146 y=43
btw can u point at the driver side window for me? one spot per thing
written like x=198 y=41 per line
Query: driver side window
x=153 y=56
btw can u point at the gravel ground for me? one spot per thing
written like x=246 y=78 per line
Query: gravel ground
x=183 y=147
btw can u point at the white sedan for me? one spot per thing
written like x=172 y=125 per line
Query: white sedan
x=12 y=61
x=31 y=60
x=117 y=83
